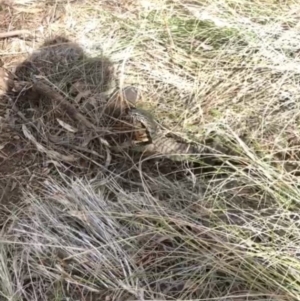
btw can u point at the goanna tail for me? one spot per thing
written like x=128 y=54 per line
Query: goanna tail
x=166 y=146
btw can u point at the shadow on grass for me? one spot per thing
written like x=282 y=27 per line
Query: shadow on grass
x=64 y=65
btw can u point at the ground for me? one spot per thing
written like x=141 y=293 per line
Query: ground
x=81 y=223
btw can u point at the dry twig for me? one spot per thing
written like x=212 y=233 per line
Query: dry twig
x=14 y=33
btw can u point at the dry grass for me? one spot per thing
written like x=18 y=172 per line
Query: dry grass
x=152 y=229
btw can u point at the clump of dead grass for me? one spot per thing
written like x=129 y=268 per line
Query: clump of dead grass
x=234 y=239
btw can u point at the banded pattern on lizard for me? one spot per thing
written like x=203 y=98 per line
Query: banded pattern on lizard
x=160 y=141
x=144 y=134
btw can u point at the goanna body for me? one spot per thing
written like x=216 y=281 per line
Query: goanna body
x=159 y=142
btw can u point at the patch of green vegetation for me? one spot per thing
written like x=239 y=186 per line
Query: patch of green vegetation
x=202 y=31
x=215 y=113
x=188 y=33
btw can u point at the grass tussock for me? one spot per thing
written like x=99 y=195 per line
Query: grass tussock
x=151 y=229
x=86 y=239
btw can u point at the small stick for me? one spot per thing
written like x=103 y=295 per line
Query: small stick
x=13 y=33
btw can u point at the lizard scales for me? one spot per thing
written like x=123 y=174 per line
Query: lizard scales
x=159 y=142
